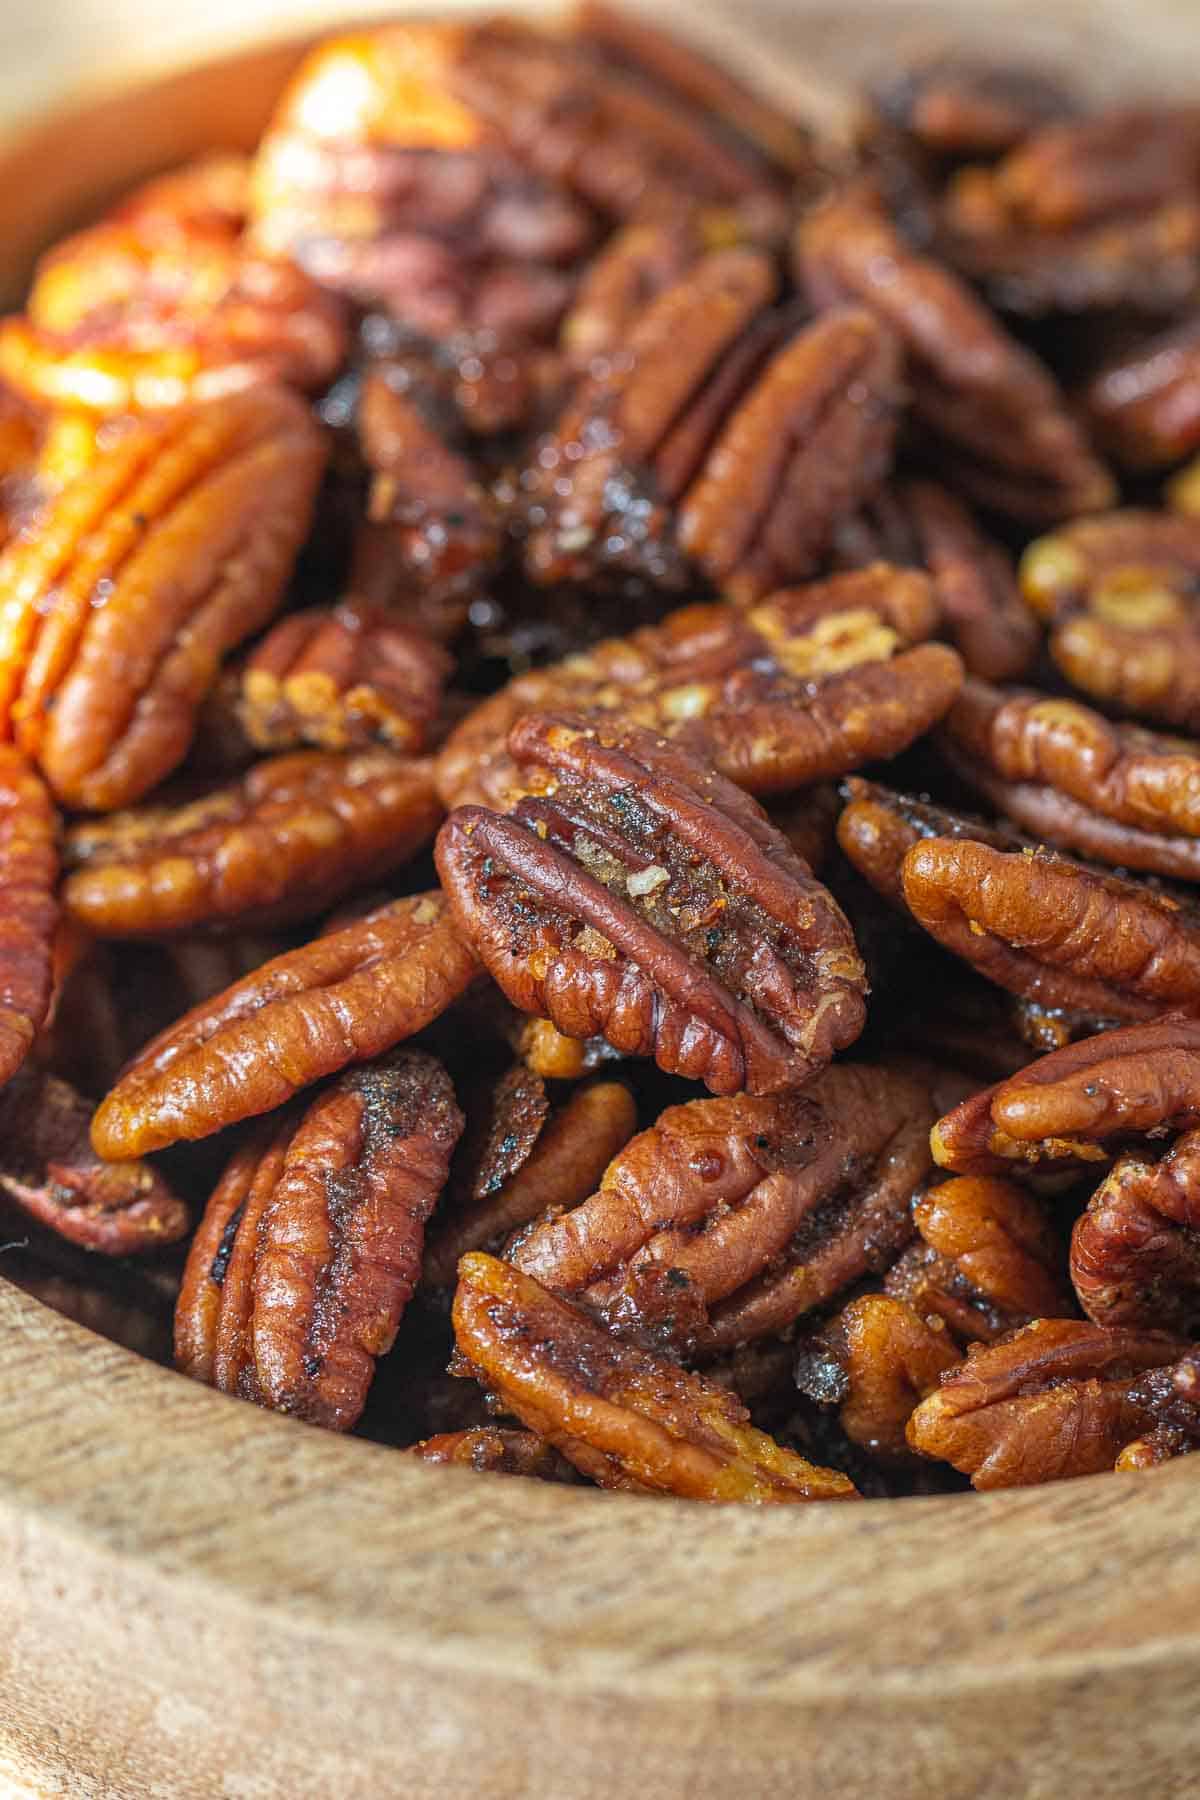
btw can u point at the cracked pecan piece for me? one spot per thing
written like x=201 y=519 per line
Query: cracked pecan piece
x=1144 y=404
x=48 y=1167
x=623 y=1417
x=293 y=836
x=956 y=106
x=342 y=678
x=29 y=910
x=642 y=898
x=1135 y=1250
x=310 y=1248
x=170 y=550
x=342 y=998
x=995 y=411
x=1058 y=1398
x=1172 y=1397
x=1106 y=790
x=496 y=1450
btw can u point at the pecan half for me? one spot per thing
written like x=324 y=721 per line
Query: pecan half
x=29 y=912
x=48 y=1167
x=311 y=1245
x=496 y=1450
x=343 y=998
x=1145 y=404
x=145 y=571
x=645 y=899
x=1055 y=1399
x=877 y=828
x=295 y=834
x=959 y=107
x=623 y=1417
x=973 y=579
x=1135 y=1251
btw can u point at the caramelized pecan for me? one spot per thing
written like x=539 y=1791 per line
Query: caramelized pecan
x=496 y=1450
x=1145 y=403
x=623 y=1417
x=645 y=899
x=1172 y=1397
x=311 y=1245
x=343 y=998
x=875 y=1361
x=877 y=828
x=144 y=572
x=1135 y=1251
x=1119 y=159
x=29 y=910
x=297 y=833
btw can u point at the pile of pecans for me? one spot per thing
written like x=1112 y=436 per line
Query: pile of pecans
x=600 y=771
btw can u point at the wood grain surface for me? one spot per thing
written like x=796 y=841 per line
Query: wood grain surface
x=199 y=1601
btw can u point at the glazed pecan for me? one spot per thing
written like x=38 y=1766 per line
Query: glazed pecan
x=164 y=302
x=877 y=828
x=958 y=107
x=875 y=1361
x=642 y=898
x=729 y=1218
x=1110 y=791
x=546 y=1052
x=29 y=909
x=1119 y=592
x=342 y=678
x=1135 y=1251
x=1119 y=159
x=636 y=264
x=1145 y=404
x=297 y=833
x=623 y=1417
x=144 y=572
x=50 y=1170
x=1057 y=1398
x=311 y=1245
x=496 y=1450
x=343 y=998
x=809 y=683
x=1172 y=1397
x=995 y=409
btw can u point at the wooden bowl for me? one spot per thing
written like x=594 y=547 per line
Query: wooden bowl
x=202 y=1600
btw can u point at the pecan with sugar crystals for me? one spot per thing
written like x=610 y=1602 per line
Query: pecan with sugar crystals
x=623 y=1417
x=958 y=107
x=1145 y=404
x=145 y=571
x=1057 y=1398
x=645 y=899
x=29 y=912
x=50 y=1170
x=343 y=998
x=296 y=834
x=311 y=1245
x=496 y=1450
x=1135 y=1251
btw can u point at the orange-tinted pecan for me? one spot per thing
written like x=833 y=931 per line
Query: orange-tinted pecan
x=729 y=1218
x=637 y=263
x=1183 y=490
x=1071 y=1104
x=959 y=107
x=311 y=1245
x=1145 y=404
x=496 y=1450
x=875 y=1361
x=343 y=998
x=623 y=1417
x=1109 y=791
x=1135 y=1251
x=48 y=1167
x=525 y=1160
x=642 y=898
x=1057 y=1398
x=1009 y=438
x=297 y=833
x=144 y=572
x=163 y=302
x=28 y=908
x=878 y=827
x=546 y=1052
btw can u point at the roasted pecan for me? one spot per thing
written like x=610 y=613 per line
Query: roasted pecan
x=496 y=1450
x=875 y=1361
x=996 y=410
x=1145 y=404
x=1110 y=791
x=1119 y=159
x=1172 y=1396
x=878 y=827
x=623 y=1417
x=297 y=833
x=144 y=572
x=343 y=998
x=1135 y=1251
x=649 y=901
x=974 y=582
x=311 y=1245
x=546 y=1052
x=29 y=910
x=637 y=263
x=1057 y=1398
x=48 y=1167
x=959 y=107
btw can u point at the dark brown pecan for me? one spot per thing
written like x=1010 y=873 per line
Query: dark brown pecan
x=973 y=579
x=1057 y=1398
x=730 y=1218
x=1110 y=791
x=875 y=1361
x=49 y=1168
x=1120 y=594
x=343 y=998
x=1073 y=1103
x=806 y=685
x=1135 y=1251
x=28 y=911
x=637 y=263
x=623 y=1417
x=645 y=899
x=297 y=833
x=1008 y=436
x=1145 y=403
x=114 y=616
x=496 y=1450
x=311 y=1245
x=531 y=1160
x=959 y=107
x=1172 y=1397
x=342 y=678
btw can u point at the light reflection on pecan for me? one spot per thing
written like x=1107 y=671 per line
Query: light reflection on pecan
x=28 y=910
